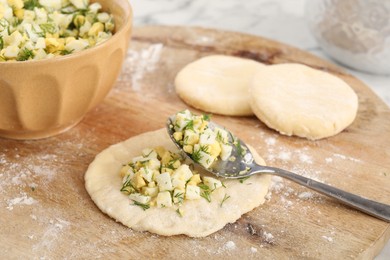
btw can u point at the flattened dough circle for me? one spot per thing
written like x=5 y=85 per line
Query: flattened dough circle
x=295 y=99
x=217 y=84
x=201 y=218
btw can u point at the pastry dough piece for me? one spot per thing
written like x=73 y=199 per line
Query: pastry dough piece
x=295 y=99
x=217 y=84
x=200 y=218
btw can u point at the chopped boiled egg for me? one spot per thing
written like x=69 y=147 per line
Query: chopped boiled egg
x=76 y=45
x=164 y=182
x=80 y=4
x=150 y=191
x=192 y=192
x=207 y=137
x=51 y=4
x=10 y=52
x=147 y=182
x=164 y=199
x=178 y=196
x=202 y=143
x=212 y=183
x=226 y=151
x=144 y=199
x=147 y=174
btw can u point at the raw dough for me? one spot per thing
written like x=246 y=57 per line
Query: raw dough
x=295 y=99
x=201 y=218
x=217 y=84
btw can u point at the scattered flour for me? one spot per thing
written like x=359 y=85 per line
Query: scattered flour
x=329 y=239
x=269 y=238
x=341 y=156
x=54 y=230
x=305 y=158
x=230 y=245
x=277 y=184
x=287 y=203
x=145 y=61
x=253 y=249
x=284 y=155
x=305 y=195
x=270 y=141
x=24 y=171
x=22 y=200
x=203 y=40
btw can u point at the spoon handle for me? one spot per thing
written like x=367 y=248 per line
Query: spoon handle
x=373 y=208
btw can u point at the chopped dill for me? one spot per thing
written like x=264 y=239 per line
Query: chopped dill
x=178 y=211
x=205 y=192
x=48 y=27
x=177 y=125
x=4 y=23
x=25 y=54
x=219 y=137
x=243 y=179
x=180 y=197
x=240 y=150
x=203 y=186
x=204 y=148
x=66 y=52
x=225 y=198
x=31 y=4
x=196 y=156
x=128 y=187
x=232 y=137
x=17 y=22
x=141 y=205
x=171 y=164
x=206 y=117
x=189 y=125
x=147 y=155
x=206 y=195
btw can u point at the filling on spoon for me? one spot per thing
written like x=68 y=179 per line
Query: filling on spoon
x=203 y=144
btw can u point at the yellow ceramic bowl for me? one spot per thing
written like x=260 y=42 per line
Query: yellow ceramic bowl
x=43 y=98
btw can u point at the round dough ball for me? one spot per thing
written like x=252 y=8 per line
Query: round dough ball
x=295 y=99
x=217 y=84
x=200 y=218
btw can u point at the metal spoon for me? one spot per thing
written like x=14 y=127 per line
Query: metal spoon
x=245 y=166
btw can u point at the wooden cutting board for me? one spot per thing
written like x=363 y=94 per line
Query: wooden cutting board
x=45 y=212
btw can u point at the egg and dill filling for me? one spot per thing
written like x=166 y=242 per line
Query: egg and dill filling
x=161 y=178
x=203 y=144
x=39 y=29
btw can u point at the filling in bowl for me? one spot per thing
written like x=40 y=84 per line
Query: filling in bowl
x=39 y=29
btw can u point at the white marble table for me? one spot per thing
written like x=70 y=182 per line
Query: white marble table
x=279 y=20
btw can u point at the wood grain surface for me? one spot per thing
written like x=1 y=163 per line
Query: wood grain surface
x=45 y=211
